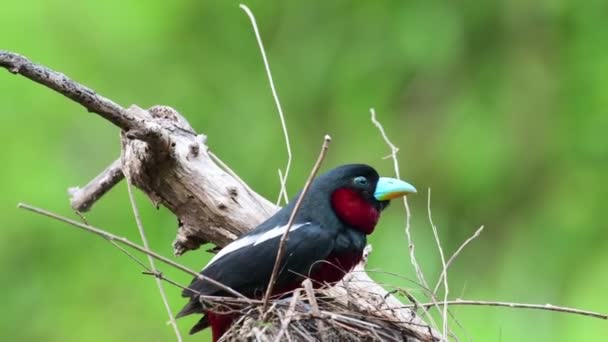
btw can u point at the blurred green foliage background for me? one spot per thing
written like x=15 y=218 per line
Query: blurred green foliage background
x=498 y=106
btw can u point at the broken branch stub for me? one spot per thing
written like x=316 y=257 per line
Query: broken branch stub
x=82 y=199
x=171 y=164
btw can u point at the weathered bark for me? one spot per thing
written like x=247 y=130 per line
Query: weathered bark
x=164 y=157
x=171 y=164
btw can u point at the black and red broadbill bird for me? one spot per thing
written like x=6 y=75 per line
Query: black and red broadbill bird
x=325 y=242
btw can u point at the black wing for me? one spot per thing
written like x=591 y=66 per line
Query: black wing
x=248 y=269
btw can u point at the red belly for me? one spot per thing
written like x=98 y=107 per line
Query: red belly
x=334 y=268
x=330 y=271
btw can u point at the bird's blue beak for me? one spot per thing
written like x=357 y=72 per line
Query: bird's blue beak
x=389 y=188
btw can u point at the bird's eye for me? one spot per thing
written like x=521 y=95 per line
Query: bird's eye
x=361 y=181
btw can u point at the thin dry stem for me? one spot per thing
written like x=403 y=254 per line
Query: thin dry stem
x=545 y=307
x=283 y=189
x=148 y=271
x=314 y=306
x=458 y=251
x=444 y=267
x=288 y=315
x=394 y=150
x=283 y=176
x=408 y=215
x=292 y=217
x=124 y=241
x=159 y=283
x=119 y=247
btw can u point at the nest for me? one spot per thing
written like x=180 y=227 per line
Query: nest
x=312 y=315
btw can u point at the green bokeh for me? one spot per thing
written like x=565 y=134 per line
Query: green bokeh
x=499 y=107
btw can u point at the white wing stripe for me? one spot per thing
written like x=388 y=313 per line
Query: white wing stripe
x=254 y=240
x=276 y=232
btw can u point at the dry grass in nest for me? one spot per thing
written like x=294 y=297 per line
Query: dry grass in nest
x=309 y=316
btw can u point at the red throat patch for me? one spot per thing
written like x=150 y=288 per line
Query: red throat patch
x=354 y=210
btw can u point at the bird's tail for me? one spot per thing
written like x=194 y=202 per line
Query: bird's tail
x=203 y=323
x=193 y=306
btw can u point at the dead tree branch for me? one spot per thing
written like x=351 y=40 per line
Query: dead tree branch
x=164 y=157
x=62 y=84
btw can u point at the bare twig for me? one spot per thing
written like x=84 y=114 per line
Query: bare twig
x=119 y=247
x=283 y=189
x=282 y=176
x=126 y=242
x=408 y=215
x=288 y=315
x=444 y=267
x=458 y=251
x=546 y=307
x=161 y=276
x=147 y=268
x=148 y=271
x=82 y=199
x=314 y=306
x=292 y=217
x=62 y=84
x=142 y=233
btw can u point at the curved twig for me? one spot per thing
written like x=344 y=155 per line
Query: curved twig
x=281 y=251
x=282 y=176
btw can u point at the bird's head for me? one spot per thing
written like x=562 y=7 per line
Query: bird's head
x=357 y=194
